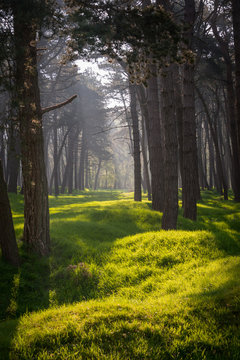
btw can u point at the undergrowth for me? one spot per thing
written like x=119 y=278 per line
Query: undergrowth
x=118 y=287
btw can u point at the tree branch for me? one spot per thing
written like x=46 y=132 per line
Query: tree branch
x=59 y=105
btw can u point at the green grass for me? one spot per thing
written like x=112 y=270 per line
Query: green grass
x=118 y=287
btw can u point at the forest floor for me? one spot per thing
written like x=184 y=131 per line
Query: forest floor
x=117 y=287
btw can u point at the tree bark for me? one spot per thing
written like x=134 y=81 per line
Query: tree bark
x=13 y=160
x=154 y=135
x=190 y=183
x=170 y=211
x=136 y=144
x=97 y=174
x=36 y=213
x=7 y=235
x=82 y=159
x=236 y=32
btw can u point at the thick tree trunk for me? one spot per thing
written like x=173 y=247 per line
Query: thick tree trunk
x=136 y=144
x=170 y=211
x=36 y=213
x=7 y=235
x=154 y=135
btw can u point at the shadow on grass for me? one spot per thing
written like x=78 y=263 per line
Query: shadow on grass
x=22 y=290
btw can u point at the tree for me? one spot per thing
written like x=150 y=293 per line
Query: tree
x=28 y=21
x=190 y=164
x=7 y=239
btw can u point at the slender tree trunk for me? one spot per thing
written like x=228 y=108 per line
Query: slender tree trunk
x=178 y=95
x=2 y=152
x=233 y=134
x=97 y=174
x=231 y=109
x=82 y=160
x=142 y=99
x=87 y=170
x=145 y=161
x=55 y=161
x=236 y=32
x=170 y=211
x=36 y=213
x=190 y=183
x=70 y=160
x=136 y=144
x=13 y=160
x=219 y=163
x=76 y=160
x=7 y=235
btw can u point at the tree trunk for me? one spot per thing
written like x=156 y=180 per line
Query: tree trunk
x=190 y=183
x=136 y=144
x=145 y=161
x=236 y=32
x=97 y=174
x=13 y=160
x=154 y=135
x=82 y=160
x=179 y=114
x=87 y=171
x=7 y=238
x=231 y=116
x=55 y=160
x=170 y=211
x=36 y=213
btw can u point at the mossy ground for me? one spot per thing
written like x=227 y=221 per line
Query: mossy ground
x=118 y=287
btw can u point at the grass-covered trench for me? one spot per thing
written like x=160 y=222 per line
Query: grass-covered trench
x=117 y=287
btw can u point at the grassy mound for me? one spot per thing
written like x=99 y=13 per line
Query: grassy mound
x=115 y=287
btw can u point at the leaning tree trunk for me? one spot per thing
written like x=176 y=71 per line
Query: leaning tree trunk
x=170 y=211
x=7 y=238
x=136 y=144
x=36 y=213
